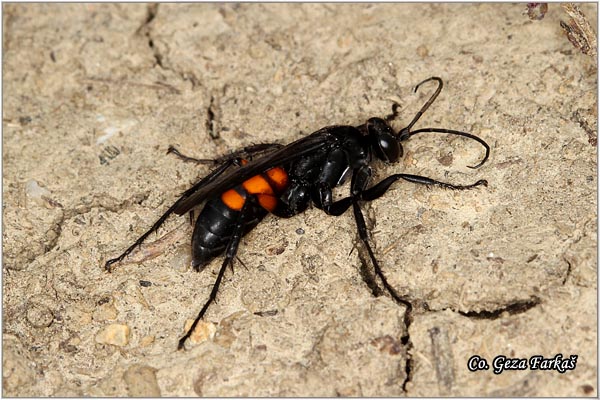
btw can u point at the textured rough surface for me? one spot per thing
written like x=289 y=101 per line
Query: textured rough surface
x=95 y=93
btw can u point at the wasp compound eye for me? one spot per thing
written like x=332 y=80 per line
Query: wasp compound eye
x=384 y=144
x=388 y=149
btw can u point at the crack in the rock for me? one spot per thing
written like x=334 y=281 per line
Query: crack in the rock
x=144 y=29
x=84 y=209
x=367 y=277
x=159 y=57
x=515 y=308
x=405 y=339
x=211 y=121
x=569 y=268
x=152 y=10
x=371 y=283
x=578 y=117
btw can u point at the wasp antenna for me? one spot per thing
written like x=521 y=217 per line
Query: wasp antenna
x=426 y=105
x=458 y=133
x=433 y=78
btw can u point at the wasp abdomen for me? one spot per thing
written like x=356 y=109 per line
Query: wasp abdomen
x=215 y=224
x=214 y=228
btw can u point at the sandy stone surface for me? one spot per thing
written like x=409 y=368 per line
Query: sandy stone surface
x=93 y=96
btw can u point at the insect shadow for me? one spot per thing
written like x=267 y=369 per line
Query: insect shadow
x=284 y=180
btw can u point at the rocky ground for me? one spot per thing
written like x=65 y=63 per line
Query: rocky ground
x=95 y=93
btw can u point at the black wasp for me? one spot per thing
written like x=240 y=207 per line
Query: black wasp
x=285 y=180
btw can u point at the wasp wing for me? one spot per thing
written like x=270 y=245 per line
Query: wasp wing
x=204 y=190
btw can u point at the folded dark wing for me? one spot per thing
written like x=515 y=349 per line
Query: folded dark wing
x=308 y=144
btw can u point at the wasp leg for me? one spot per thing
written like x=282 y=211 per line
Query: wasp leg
x=246 y=152
x=363 y=234
x=209 y=178
x=230 y=253
x=360 y=193
x=225 y=162
x=173 y=150
x=360 y=180
x=379 y=189
x=339 y=207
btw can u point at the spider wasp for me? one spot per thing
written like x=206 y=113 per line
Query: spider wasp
x=250 y=183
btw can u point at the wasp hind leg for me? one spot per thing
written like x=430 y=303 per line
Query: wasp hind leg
x=230 y=254
x=223 y=164
x=204 y=181
x=246 y=152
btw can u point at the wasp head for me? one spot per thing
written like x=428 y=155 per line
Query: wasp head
x=384 y=142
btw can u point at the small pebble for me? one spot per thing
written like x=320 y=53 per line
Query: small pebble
x=203 y=332
x=35 y=192
x=146 y=340
x=105 y=312
x=115 y=334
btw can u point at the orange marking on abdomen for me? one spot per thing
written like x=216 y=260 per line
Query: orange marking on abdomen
x=267 y=202
x=258 y=185
x=279 y=177
x=233 y=200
